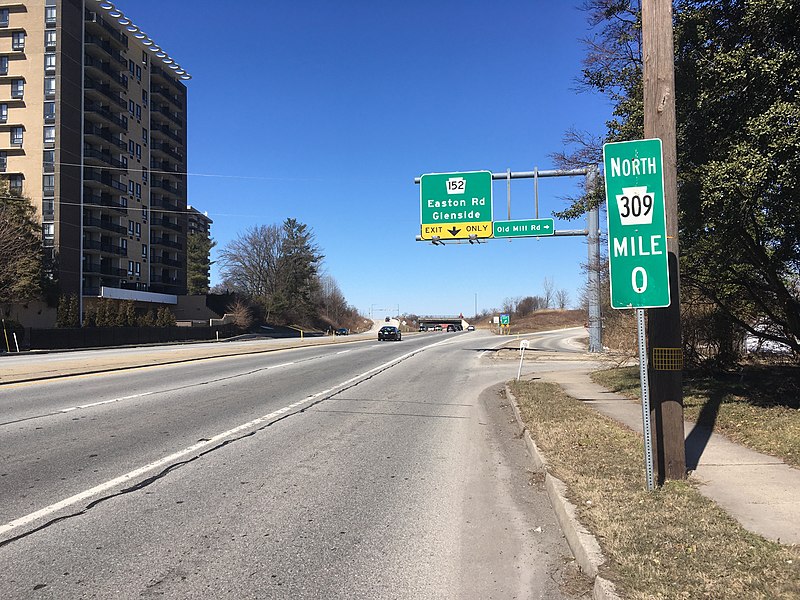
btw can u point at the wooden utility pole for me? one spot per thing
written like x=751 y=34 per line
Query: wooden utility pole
x=664 y=324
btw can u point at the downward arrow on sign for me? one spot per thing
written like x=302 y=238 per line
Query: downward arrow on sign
x=453 y=231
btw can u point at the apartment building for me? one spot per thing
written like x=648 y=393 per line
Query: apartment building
x=93 y=131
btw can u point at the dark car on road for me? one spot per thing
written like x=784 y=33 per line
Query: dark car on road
x=342 y=331
x=389 y=333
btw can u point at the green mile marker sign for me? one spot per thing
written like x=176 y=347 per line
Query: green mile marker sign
x=637 y=224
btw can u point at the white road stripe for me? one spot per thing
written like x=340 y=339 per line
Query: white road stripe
x=71 y=408
x=127 y=477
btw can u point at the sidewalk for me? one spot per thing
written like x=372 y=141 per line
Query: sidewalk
x=760 y=491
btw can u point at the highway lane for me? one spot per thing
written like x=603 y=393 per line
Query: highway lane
x=366 y=471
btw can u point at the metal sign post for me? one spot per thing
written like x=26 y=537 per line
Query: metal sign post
x=646 y=425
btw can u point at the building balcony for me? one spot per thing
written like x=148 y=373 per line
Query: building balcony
x=92 y=156
x=165 y=223
x=167 y=94
x=166 y=149
x=159 y=203
x=163 y=260
x=101 y=47
x=99 y=268
x=92 y=177
x=100 y=91
x=117 y=123
x=105 y=201
x=103 y=72
x=97 y=24
x=160 y=109
x=167 y=186
x=163 y=166
x=98 y=134
x=166 y=242
x=104 y=224
x=104 y=247
x=165 y=130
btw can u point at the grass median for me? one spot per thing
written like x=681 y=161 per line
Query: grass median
x=758 y=406
x=670 y=543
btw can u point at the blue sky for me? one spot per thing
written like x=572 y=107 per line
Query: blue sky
x=326 y=112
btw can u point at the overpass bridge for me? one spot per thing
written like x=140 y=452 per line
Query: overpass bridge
x=432 y=321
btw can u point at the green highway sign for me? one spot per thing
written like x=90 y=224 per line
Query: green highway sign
x=637 y=224
x=504 y=320
x=524 y=228
x=456 y=205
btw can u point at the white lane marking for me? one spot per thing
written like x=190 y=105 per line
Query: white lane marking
x=280 y=365
x=343 y=352
x=99 y=489
x=81 y=406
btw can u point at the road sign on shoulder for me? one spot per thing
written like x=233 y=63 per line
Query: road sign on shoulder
x=504 y=320
x=524 y=228
x=637 y=224
x=456 y=205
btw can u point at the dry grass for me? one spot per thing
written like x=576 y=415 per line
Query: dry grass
x=671 y=543
x=541 y=320
x=758 y=407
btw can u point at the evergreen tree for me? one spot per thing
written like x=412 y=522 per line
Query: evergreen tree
x=20 y=248
x=198 y=253
x=738 y=111
x=298 y=269
x=67 y=312
x=165 y=318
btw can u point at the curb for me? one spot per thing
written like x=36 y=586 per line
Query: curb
x=581 y=542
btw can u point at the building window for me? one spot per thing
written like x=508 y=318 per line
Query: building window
x=123 y=244
x=16 y=136
x=144 y=175
x=3 y=112
x=144 y=58
x=138 y=152
x=130 y=267
x=17 y=88
x=138 y=72
x=49 y=15
x=49 y=134
x=3 y=161
x=49 y=184
x=131 y=106
x=144 y=134
x=18 y=40
x=49 y=87
x=138 y=230
x=49 y=112
x=48 y=231
x=138 y=269
x=3 y=17
x=48 y=206
x=138 y=112
x=138 y=190
x=144 y=250
x=144 y=98
x=49 y=161
x=131 y=147
x=3 y=65
x=124 y=161
x=130 y=191
x=50 y=39
x=50 y=62
x=15 y=183
x=130 y=227
x=144 y=213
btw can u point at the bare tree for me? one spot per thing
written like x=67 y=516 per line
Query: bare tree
x=549 y=293
x=562 y=299
x=250 y=261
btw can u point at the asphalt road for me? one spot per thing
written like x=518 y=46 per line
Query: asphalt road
x=363 y=470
